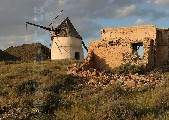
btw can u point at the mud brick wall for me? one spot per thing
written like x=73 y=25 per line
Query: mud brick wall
x=115 y=48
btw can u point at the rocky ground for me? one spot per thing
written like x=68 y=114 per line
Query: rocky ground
x=101 y=78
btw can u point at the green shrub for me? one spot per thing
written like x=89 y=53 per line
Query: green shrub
x=113 y=92
x=118 y=110
x=128 y=69
x=59 y=82
x=162 y=101
x=50 y=102
x=27 y=87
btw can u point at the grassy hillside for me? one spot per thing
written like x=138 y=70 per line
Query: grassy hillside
x=44 y=91
x=27 y=52
x=4 y=56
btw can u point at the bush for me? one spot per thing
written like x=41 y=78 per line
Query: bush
x=128 y=69
x=113 y=92
x=162 y=101
x=27 y=87
x=118 y=110
x=50 y=103
x=59 y=82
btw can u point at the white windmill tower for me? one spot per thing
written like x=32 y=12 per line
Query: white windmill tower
x=67 y=43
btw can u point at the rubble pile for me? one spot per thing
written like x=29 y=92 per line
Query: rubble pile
x=102 y=78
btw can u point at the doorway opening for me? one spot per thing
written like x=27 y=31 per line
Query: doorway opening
x=77 y=55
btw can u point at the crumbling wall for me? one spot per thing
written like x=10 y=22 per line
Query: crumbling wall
x=110 y=54
x=133 y=32
x=115 y=47
x=106 y=54
x=162 y=46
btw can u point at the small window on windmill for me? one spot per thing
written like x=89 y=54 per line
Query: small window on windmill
x=77 y=55
x=137 y=48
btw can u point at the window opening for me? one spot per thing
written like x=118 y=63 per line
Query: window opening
x=138 y=47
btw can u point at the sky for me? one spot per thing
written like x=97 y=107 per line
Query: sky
x=87 y=16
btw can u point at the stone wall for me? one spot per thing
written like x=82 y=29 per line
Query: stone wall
x=134 y=33
x=116 y=47
x=108 y=55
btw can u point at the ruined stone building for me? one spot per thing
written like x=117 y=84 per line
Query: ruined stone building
x=68 y=43
x=121 y=45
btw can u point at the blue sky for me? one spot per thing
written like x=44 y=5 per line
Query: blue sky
x=88 y=17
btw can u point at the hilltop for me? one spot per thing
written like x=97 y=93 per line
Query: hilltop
x=4 y=56
x=25 y=52
x=45 y=90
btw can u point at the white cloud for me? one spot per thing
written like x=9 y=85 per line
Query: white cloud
x=82 y=13
x=159 y=2
x=7 y=41
x=140 y=22
x=126 y=10
x=63 y=2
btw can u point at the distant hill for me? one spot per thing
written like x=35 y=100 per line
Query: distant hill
x=4 y=56
x=28 y=52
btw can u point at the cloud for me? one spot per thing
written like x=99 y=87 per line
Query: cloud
x=87 y=29
x=153 y=14
x=159 y=2
x=101 y=9
x=140 y=21
x=126 y=11
x=63 y=2
x=82 y=13
x=7 y=41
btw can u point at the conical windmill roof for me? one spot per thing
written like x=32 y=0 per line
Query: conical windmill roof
x=67 y=29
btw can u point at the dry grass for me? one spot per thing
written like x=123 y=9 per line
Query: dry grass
x=44 y=90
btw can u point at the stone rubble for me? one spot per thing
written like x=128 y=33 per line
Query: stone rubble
x=101 y=78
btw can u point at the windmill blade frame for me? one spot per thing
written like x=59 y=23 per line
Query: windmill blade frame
x=52 y=38
x=56 y=18
x=84 y=46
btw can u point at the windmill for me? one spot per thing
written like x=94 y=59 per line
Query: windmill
x=66 y=42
